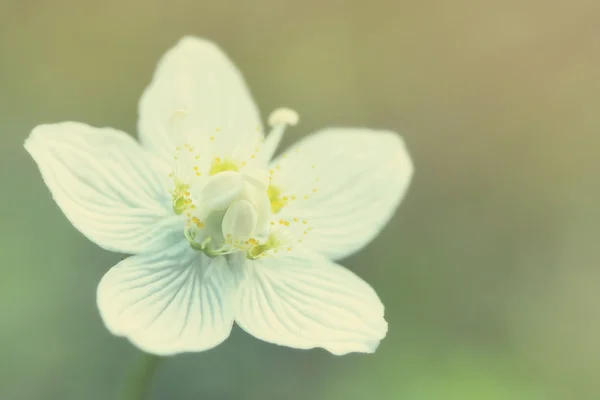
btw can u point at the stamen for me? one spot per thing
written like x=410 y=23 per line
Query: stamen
x=285 y=234
x=278 y=120
x=261 y=250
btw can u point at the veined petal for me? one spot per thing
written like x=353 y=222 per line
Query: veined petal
x=110 y=188
x=347 y=182
x=302 y=300
x=196 y=81
x=171 y=301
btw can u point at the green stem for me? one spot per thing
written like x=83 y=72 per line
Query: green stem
x=138 y=385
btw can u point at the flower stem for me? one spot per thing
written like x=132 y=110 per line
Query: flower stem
x=138 y=384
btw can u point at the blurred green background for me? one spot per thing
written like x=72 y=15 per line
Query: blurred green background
x=489 y=271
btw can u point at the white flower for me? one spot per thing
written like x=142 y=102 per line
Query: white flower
x=219 y=233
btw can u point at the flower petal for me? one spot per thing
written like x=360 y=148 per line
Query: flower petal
x=346 y=183
x=168 y=302
x=302 y=300
x=196 y=80
x=110 y=188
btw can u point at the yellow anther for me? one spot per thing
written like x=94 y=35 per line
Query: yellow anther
x=196 y=221
x=212 y=138
x=221 y=166
x=259 y=250
x=180 y=196
x=277 y=202
x=295 y=219
x=179 y=205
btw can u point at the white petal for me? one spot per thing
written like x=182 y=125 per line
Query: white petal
x=168 y=302
x=354 y=180
x=109 y=187
x=302 y=300
x=239 y=221
x=195 y=78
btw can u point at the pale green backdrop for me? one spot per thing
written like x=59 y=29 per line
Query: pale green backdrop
x=489 y=271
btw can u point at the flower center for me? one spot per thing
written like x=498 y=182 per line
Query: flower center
x=229 y=201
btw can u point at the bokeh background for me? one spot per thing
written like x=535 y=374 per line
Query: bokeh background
x=489 y=271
